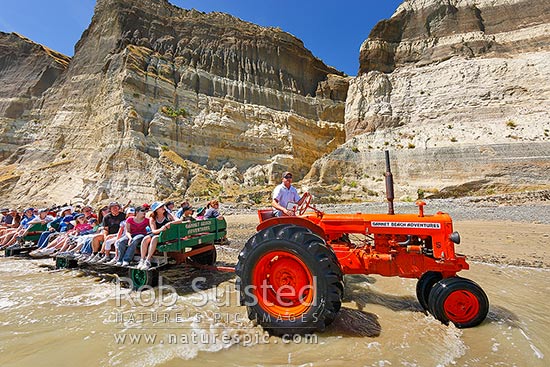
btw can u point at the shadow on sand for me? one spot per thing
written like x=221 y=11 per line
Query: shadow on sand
x=357 y=290
x=187 y=279
x=355 y=323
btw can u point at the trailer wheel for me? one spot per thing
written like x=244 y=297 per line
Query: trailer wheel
x=205 y=258
x=458 y=300
x=60 y=262
x=141 y=278
x=424 y=287
x=289 y=280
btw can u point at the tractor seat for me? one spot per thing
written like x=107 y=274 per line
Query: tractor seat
x=265 y=214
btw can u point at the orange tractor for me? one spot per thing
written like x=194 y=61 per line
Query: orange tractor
x=291 y=271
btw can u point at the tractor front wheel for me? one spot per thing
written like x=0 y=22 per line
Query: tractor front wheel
x=425 y=285
x=458 y=300
x=289 y=280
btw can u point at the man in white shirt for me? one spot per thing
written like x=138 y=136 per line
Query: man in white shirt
x=284 y=194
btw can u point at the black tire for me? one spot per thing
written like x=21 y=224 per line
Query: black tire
x=143 y=278
x=61 y=262
x=425 y=285
x=280 y=247
x=458 y=300
x=205 y=258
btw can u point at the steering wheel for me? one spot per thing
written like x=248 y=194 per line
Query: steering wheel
x=306 y=200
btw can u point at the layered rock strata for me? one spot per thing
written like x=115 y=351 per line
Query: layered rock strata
x=27 y=70
x=442 y=83
x=157 y=98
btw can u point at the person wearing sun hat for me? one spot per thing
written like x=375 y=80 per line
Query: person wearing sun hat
x=159 y=221
x=187 y=215
x=3 y=212
x=135 y=231
x=72 y=241
x=42 y=217
x=54 y=229
x=7 y=218
x=10 y=236
x=179 y=213
x=169 y=206
x=88 y=211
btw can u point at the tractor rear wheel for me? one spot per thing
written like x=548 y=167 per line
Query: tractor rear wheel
x=289 y=280
x=458 y=300
x=424 y=287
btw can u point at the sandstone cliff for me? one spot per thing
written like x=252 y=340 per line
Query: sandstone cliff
x=158 y=100
x=27 y=69
x=458 y=90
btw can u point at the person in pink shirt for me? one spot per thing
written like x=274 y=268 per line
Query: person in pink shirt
x=82 y=227
x=136 y=229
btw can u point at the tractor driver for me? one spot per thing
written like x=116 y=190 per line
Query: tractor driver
x=284 y=194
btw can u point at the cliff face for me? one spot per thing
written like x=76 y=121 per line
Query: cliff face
x=26 y=71
x=429 y=31
x=458 y=91
x=158 y=99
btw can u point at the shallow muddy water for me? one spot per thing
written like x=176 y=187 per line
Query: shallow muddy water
x=67 y=318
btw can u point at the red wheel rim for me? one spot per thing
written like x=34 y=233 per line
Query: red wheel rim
x=461 y=306
x=283 y=284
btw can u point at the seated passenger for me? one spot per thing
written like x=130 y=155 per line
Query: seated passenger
x=136 y=230
x=169 y=206
x=111 y=225
x=212 y=210
x=81 y=228
x=88 y=212
x=6 y=217
x=49 y=235
x=43 y=217
x=10 y=236
x=187 y=214
x=15 y=221
x=159 y=221
x=200 y=213
x=184 y=204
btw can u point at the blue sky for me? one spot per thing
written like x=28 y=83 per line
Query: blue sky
x=332 y=30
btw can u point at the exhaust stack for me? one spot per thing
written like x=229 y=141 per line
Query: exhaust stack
x=389 y=184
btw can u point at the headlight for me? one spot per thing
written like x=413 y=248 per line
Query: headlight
x=455 y=237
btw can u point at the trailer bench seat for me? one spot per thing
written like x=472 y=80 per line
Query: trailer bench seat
x=182 y=236
x=34 y=231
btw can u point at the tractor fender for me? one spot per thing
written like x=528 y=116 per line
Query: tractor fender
x=298 y=221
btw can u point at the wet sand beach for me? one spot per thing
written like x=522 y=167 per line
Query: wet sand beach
x=58 y=317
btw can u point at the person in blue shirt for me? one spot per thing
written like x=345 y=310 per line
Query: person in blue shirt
x=213 y=210
x=56 y=227
x=181 y=210
x=10 y=237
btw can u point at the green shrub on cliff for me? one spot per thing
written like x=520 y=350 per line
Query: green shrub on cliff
x=171 y=112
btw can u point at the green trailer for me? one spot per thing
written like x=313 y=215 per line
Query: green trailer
x=188 y=242
x=27 y=243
